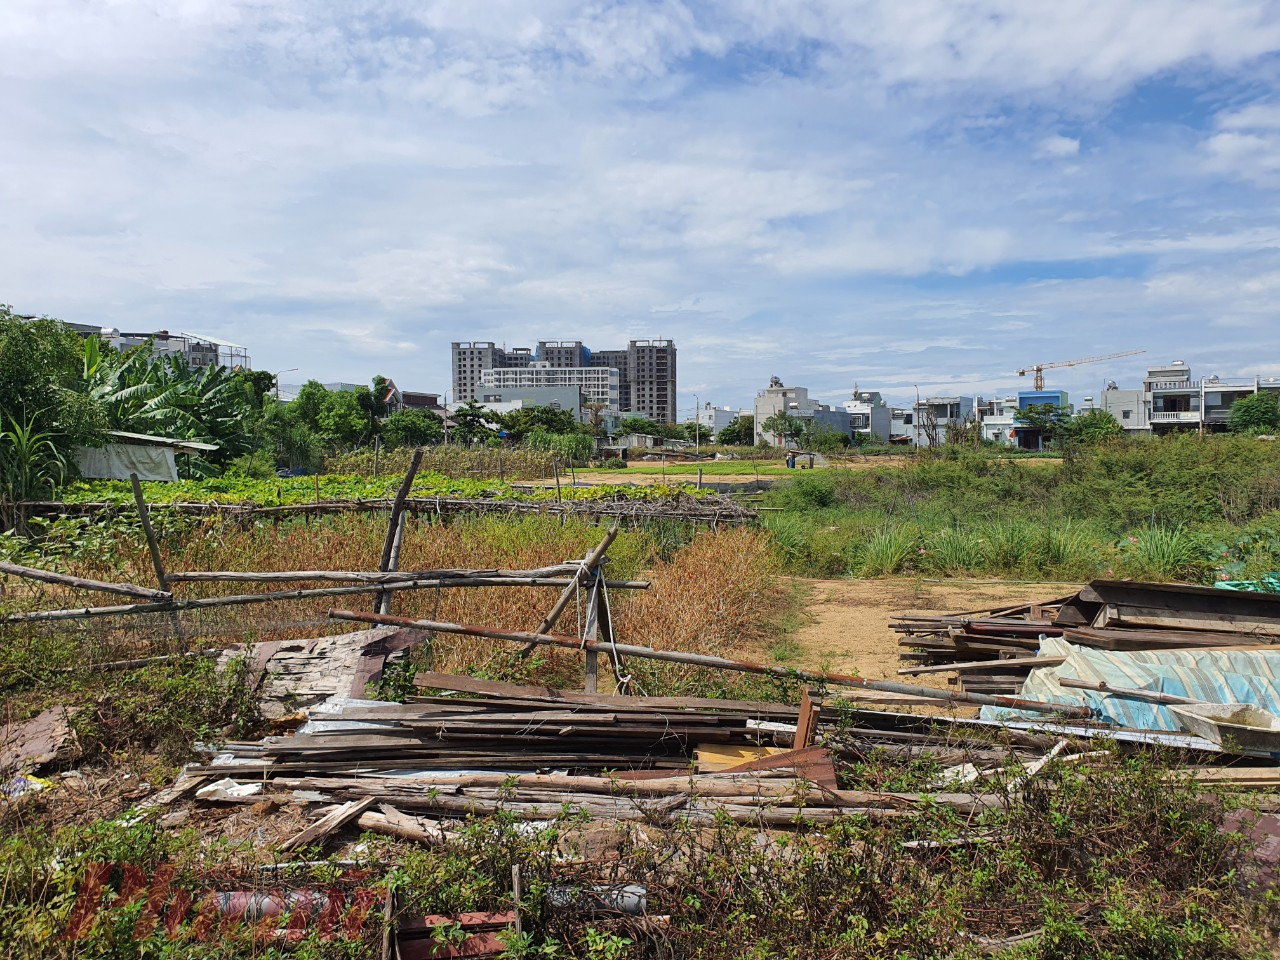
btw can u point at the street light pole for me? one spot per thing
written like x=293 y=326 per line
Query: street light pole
x=276 y=378
x=697 y=426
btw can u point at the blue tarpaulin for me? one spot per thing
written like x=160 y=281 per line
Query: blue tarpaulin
x=1210 y=674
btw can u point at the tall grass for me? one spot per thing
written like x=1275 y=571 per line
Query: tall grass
x=1163 y=553
x=1171 y=508
x=953 y=552
x=887 y=551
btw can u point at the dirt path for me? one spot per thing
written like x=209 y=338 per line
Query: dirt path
x=847 y=628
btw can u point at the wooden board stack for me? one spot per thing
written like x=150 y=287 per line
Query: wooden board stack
x=987 y=648
x=993 y=651
x=537 y=752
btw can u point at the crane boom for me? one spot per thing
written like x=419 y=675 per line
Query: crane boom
x=1039 y=368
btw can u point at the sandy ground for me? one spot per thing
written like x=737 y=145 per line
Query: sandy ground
x=847 y=628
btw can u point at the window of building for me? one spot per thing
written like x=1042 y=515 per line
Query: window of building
x=1125 y=415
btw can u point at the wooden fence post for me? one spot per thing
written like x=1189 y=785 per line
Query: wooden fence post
x=152 y=545
x=593 y=560
x=395 y=529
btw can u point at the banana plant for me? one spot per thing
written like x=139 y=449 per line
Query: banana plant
x=166 y=396
x=32 y=467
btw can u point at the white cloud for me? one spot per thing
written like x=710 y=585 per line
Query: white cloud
x=817 y=188
x=1059 y=146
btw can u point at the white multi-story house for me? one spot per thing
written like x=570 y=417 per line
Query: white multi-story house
x=869 y=415
x=1171 y=400
x=934 y=414
x=795 y=401
x=999 y=421
x=715 y=418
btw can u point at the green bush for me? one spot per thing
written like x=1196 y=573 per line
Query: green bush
x=953 y=552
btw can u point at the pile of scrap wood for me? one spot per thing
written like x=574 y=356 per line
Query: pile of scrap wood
x=993 y=651
x=536 y=752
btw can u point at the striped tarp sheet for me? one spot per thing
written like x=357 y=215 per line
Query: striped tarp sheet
x=1215 y=676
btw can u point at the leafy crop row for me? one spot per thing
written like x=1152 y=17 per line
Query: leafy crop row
x=298 y=490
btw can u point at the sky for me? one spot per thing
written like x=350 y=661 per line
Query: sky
x=893 y=194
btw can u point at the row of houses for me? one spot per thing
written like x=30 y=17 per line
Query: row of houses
x=1170 y=399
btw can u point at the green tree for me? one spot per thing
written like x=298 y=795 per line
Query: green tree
x=520 y=423
x=472 y=424
x=412 y=428
x=641 y=425
x=307 y=404
x=379 y=395
x=1047 y=418
x=41 y=363
x=296 y=446
x=1256 y=413
x=343 y=420
x=823 y=439
x=741 y=432
x=696 y=432
x=258 y=382
x=1089 y=427
x=784 y=426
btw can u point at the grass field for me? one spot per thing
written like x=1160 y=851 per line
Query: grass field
x=1105 y=856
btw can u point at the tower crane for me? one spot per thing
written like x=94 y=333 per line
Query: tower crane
x=1039 y=368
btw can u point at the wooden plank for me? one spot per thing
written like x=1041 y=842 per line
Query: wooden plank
x=718 y=758
x=1129 y=614
x=807 y=724
x=809 y=763
x=1029 y=663
x=328 y=824
x=493 y=688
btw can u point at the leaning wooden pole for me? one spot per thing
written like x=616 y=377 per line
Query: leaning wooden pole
x=721 y=663
x=395 y=531
x=592 y=561
x=153 y=545
x=557 y=573
x=81 y=583
x=86 y=613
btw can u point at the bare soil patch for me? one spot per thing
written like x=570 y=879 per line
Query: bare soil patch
x=847 y=621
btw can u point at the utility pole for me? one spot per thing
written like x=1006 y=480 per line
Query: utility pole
x=697 y=426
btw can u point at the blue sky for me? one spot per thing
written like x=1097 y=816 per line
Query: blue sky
x=892 y=194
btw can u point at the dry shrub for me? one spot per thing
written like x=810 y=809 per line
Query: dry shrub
x=719 y=595
x=716 y=595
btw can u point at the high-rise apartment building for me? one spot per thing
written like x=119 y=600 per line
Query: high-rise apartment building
x=646 y=370
x=598 y=384
x=471 y=359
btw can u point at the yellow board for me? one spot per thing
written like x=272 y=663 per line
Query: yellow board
x=711 y=757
